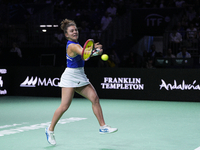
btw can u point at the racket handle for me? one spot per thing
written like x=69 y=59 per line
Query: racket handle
x=95 y=52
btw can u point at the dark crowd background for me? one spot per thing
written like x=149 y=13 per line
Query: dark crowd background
x=31 y=34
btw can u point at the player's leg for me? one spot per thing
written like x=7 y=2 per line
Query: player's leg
x=67 y=95
x=90 y=93
x=66 y=98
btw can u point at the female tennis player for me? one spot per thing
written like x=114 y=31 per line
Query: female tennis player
x=74 y=80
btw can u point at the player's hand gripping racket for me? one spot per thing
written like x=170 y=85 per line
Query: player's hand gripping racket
x=88 y=49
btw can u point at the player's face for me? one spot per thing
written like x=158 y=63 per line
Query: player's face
x=72 y=33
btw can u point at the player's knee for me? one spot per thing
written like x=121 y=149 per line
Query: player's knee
x=95 y=100
x=64 y=108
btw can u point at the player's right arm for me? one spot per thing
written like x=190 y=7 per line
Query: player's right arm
x=74 y=49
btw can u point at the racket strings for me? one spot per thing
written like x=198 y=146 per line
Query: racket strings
x=88 y=50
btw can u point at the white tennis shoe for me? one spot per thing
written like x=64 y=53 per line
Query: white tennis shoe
x=50 y=136
x=107 y=129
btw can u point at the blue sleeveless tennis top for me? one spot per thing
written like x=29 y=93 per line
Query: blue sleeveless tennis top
x=74 y=62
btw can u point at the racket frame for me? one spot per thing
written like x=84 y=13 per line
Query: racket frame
x=84 y=47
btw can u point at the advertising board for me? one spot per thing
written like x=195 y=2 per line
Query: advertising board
x=110 y=83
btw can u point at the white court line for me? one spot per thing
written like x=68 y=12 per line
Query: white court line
x=198 y=148
x=8 y=126
x=13 y=125
x=38 y=126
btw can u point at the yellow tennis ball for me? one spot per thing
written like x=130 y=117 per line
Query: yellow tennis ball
x=104 y=57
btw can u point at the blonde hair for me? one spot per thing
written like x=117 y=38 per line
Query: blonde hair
x=66 y=23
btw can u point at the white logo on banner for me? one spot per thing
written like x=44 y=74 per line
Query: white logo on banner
x=4 y=91
x=182 y=86
x=122 y=83
x=1 y=82
x=29 y=83
x=3 y=71
x=155 y=19
x=32 y=82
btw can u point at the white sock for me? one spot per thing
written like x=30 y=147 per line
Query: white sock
x=103 y=126
x=50 y=131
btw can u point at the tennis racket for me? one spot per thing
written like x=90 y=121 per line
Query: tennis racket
x=87 y=49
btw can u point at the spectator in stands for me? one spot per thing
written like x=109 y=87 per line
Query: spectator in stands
x=196 y=22
x=59 y=39
x=15 y=55
x=145 y=59
x=150 y=63
x=169 y=54
x=96 y=33
x=175 y=36
x=113 y=60
x=16 y=50
x=105 y=21
x=180 y=29
x=162 y=4
x=191 y=13
x=191 y=35
x=60 y=3
x=183 y=53
x=175 y=40
x=179 y=3
x=131 y=60
x=153 y=53
x=112 y=10
x=184 y=21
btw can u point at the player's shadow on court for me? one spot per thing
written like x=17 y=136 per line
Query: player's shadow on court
x=50 y=147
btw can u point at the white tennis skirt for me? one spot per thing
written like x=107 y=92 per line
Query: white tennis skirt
x=74 y=77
